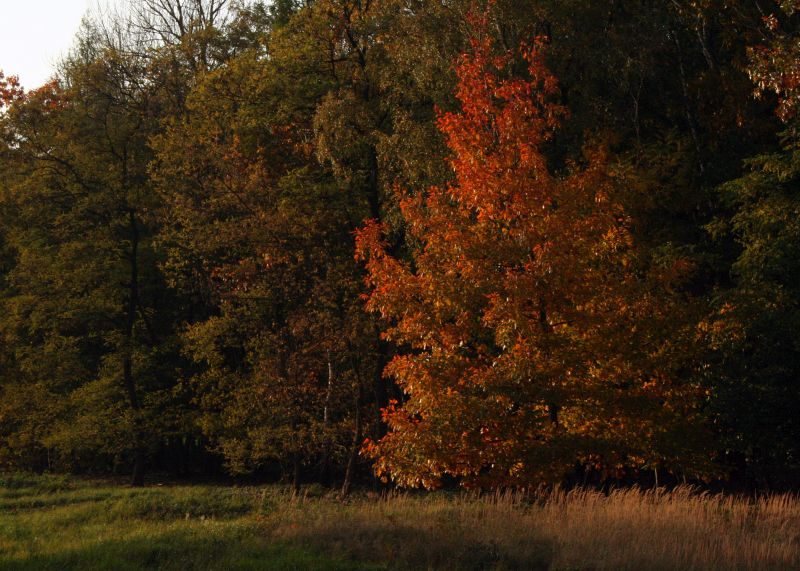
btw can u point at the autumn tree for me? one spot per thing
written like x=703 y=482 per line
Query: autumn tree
x=531 y=340
x=85 y=305
x=775 y=64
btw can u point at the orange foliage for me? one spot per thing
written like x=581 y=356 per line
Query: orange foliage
x=10 y=90
x=775 y=66
x=531 y=340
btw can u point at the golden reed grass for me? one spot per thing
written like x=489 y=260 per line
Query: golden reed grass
x=626 y=529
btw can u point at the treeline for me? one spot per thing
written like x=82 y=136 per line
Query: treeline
x=497 y=243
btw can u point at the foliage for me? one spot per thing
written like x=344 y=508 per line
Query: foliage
x=576 y=273
x=85 y=308
x=264 y=238
x=517 y=302
x=753 y=357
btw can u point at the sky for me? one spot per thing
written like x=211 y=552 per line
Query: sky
x=34 y=34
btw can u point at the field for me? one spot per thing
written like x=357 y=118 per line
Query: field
x=56 y=523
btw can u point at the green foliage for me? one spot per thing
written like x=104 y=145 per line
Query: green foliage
x=265 y=236
x=753 y=329
x=83 y=300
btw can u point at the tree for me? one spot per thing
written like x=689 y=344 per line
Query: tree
x=531 y=338
x=85 y=307
x=775 y=64
x=755 y=358
x=261 y=233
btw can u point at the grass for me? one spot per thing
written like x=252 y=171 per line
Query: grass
x=55 y=523
x=51 y=523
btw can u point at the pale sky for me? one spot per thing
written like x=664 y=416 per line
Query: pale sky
x=34 y=34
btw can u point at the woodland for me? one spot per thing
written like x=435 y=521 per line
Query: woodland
x=495 y=244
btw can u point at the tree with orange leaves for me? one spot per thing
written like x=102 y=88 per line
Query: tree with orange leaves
x=531 y=335
x=10 y=89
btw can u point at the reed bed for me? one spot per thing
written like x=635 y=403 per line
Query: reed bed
x=627 y=529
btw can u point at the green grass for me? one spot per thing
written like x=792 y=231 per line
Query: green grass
x=51 y=523
x=56 y=523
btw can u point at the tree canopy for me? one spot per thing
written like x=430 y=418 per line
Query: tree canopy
x=488 y=243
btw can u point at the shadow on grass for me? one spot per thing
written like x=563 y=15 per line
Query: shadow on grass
x=26 y=483
x=164 y=505
x=404 y=546
x=152 y=505
x=184 y=550
x=31 y=503
x=221 y=546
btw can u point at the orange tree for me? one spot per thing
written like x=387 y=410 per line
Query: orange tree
x=532 y=335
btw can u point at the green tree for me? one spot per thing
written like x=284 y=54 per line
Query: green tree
x=254 y=227
x=753 y=329
x=85 y=306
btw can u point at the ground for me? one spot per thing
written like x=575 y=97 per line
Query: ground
x=58 y=523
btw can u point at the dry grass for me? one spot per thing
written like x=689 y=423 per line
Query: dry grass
x=578 y=530
x=678 y=530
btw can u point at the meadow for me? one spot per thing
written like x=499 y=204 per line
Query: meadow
x=59 y=523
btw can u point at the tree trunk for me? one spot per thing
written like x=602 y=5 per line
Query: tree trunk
x=380 y=386
x=544 y=324
x=552 y=411
x=326 y=415
x=356 y=445
x=127 y=361
x=296 y=474
x=687 y=102
x=138 y=467
x=326 y=423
